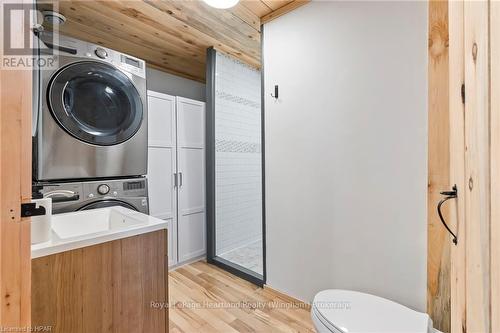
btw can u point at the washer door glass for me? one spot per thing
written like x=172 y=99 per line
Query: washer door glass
x=96 y=103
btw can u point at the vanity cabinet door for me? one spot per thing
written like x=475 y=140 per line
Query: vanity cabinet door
x=107 y=287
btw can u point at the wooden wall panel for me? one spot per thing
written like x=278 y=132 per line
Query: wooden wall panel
x=457 y=162
x=439 y=244
x=495 y=163
x=15 y=188
x=477 y=166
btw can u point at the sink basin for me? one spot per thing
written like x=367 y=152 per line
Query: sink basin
x=92 y=222
x=77 y=230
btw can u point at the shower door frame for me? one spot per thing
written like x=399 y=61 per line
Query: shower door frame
x=212 y=257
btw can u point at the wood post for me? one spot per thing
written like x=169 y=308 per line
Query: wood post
x=439 y=244
x=15 y=188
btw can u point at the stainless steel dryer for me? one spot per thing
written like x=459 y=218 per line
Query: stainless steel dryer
x=76 y=196
x=92 y=120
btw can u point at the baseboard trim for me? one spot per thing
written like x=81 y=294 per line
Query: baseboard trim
x=285 y=297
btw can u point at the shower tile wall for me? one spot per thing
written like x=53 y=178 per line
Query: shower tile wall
x=238 y=157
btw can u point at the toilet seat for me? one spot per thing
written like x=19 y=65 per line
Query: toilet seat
x=344 y=311
x=321 y=324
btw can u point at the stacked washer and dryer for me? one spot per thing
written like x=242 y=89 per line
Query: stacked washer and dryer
x=90 y=127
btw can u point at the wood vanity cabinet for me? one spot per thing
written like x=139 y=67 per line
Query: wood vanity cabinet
x=110 y=287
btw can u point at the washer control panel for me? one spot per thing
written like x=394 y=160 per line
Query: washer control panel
x=71 y=196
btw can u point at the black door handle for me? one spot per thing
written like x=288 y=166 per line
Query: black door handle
x=448 y=195
x=57 y=199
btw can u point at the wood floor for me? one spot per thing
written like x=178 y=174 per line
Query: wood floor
x=205 y=298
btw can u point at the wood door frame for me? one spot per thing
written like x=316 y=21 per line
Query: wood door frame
x=439 y=244
x=15 y=186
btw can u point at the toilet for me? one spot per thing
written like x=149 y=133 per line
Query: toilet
x=344 y=311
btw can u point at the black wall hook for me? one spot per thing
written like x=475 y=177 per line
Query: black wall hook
x=448 y=195
x=276 y=92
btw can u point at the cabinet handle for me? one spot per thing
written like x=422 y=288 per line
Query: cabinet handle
x=175 y=180
x=180 y=179
x=448 y=195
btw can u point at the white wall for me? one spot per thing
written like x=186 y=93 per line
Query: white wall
x=346 y=149
x=174 y=85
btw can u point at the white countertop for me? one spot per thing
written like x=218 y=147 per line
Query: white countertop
x=85 y=228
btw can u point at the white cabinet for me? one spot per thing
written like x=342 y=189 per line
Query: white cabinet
x=176 y=172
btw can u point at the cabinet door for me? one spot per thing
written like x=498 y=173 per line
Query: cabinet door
x=161 y=186
x=162 y=164
x=106 y=287
x=191 y=169
x=161 y=120
x=162 y=193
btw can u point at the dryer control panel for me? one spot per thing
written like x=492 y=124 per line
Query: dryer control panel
x=64 y=45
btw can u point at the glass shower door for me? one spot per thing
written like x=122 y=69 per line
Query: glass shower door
x=235 y=167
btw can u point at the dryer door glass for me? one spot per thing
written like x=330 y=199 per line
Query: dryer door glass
x=95 y=103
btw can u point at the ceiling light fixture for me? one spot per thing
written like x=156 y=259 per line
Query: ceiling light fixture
x=53 y=18
x=222 y=4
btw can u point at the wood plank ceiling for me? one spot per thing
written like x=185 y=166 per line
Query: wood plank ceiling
x=172 y=36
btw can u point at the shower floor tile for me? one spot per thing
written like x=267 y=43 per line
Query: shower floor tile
x=249 y=256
